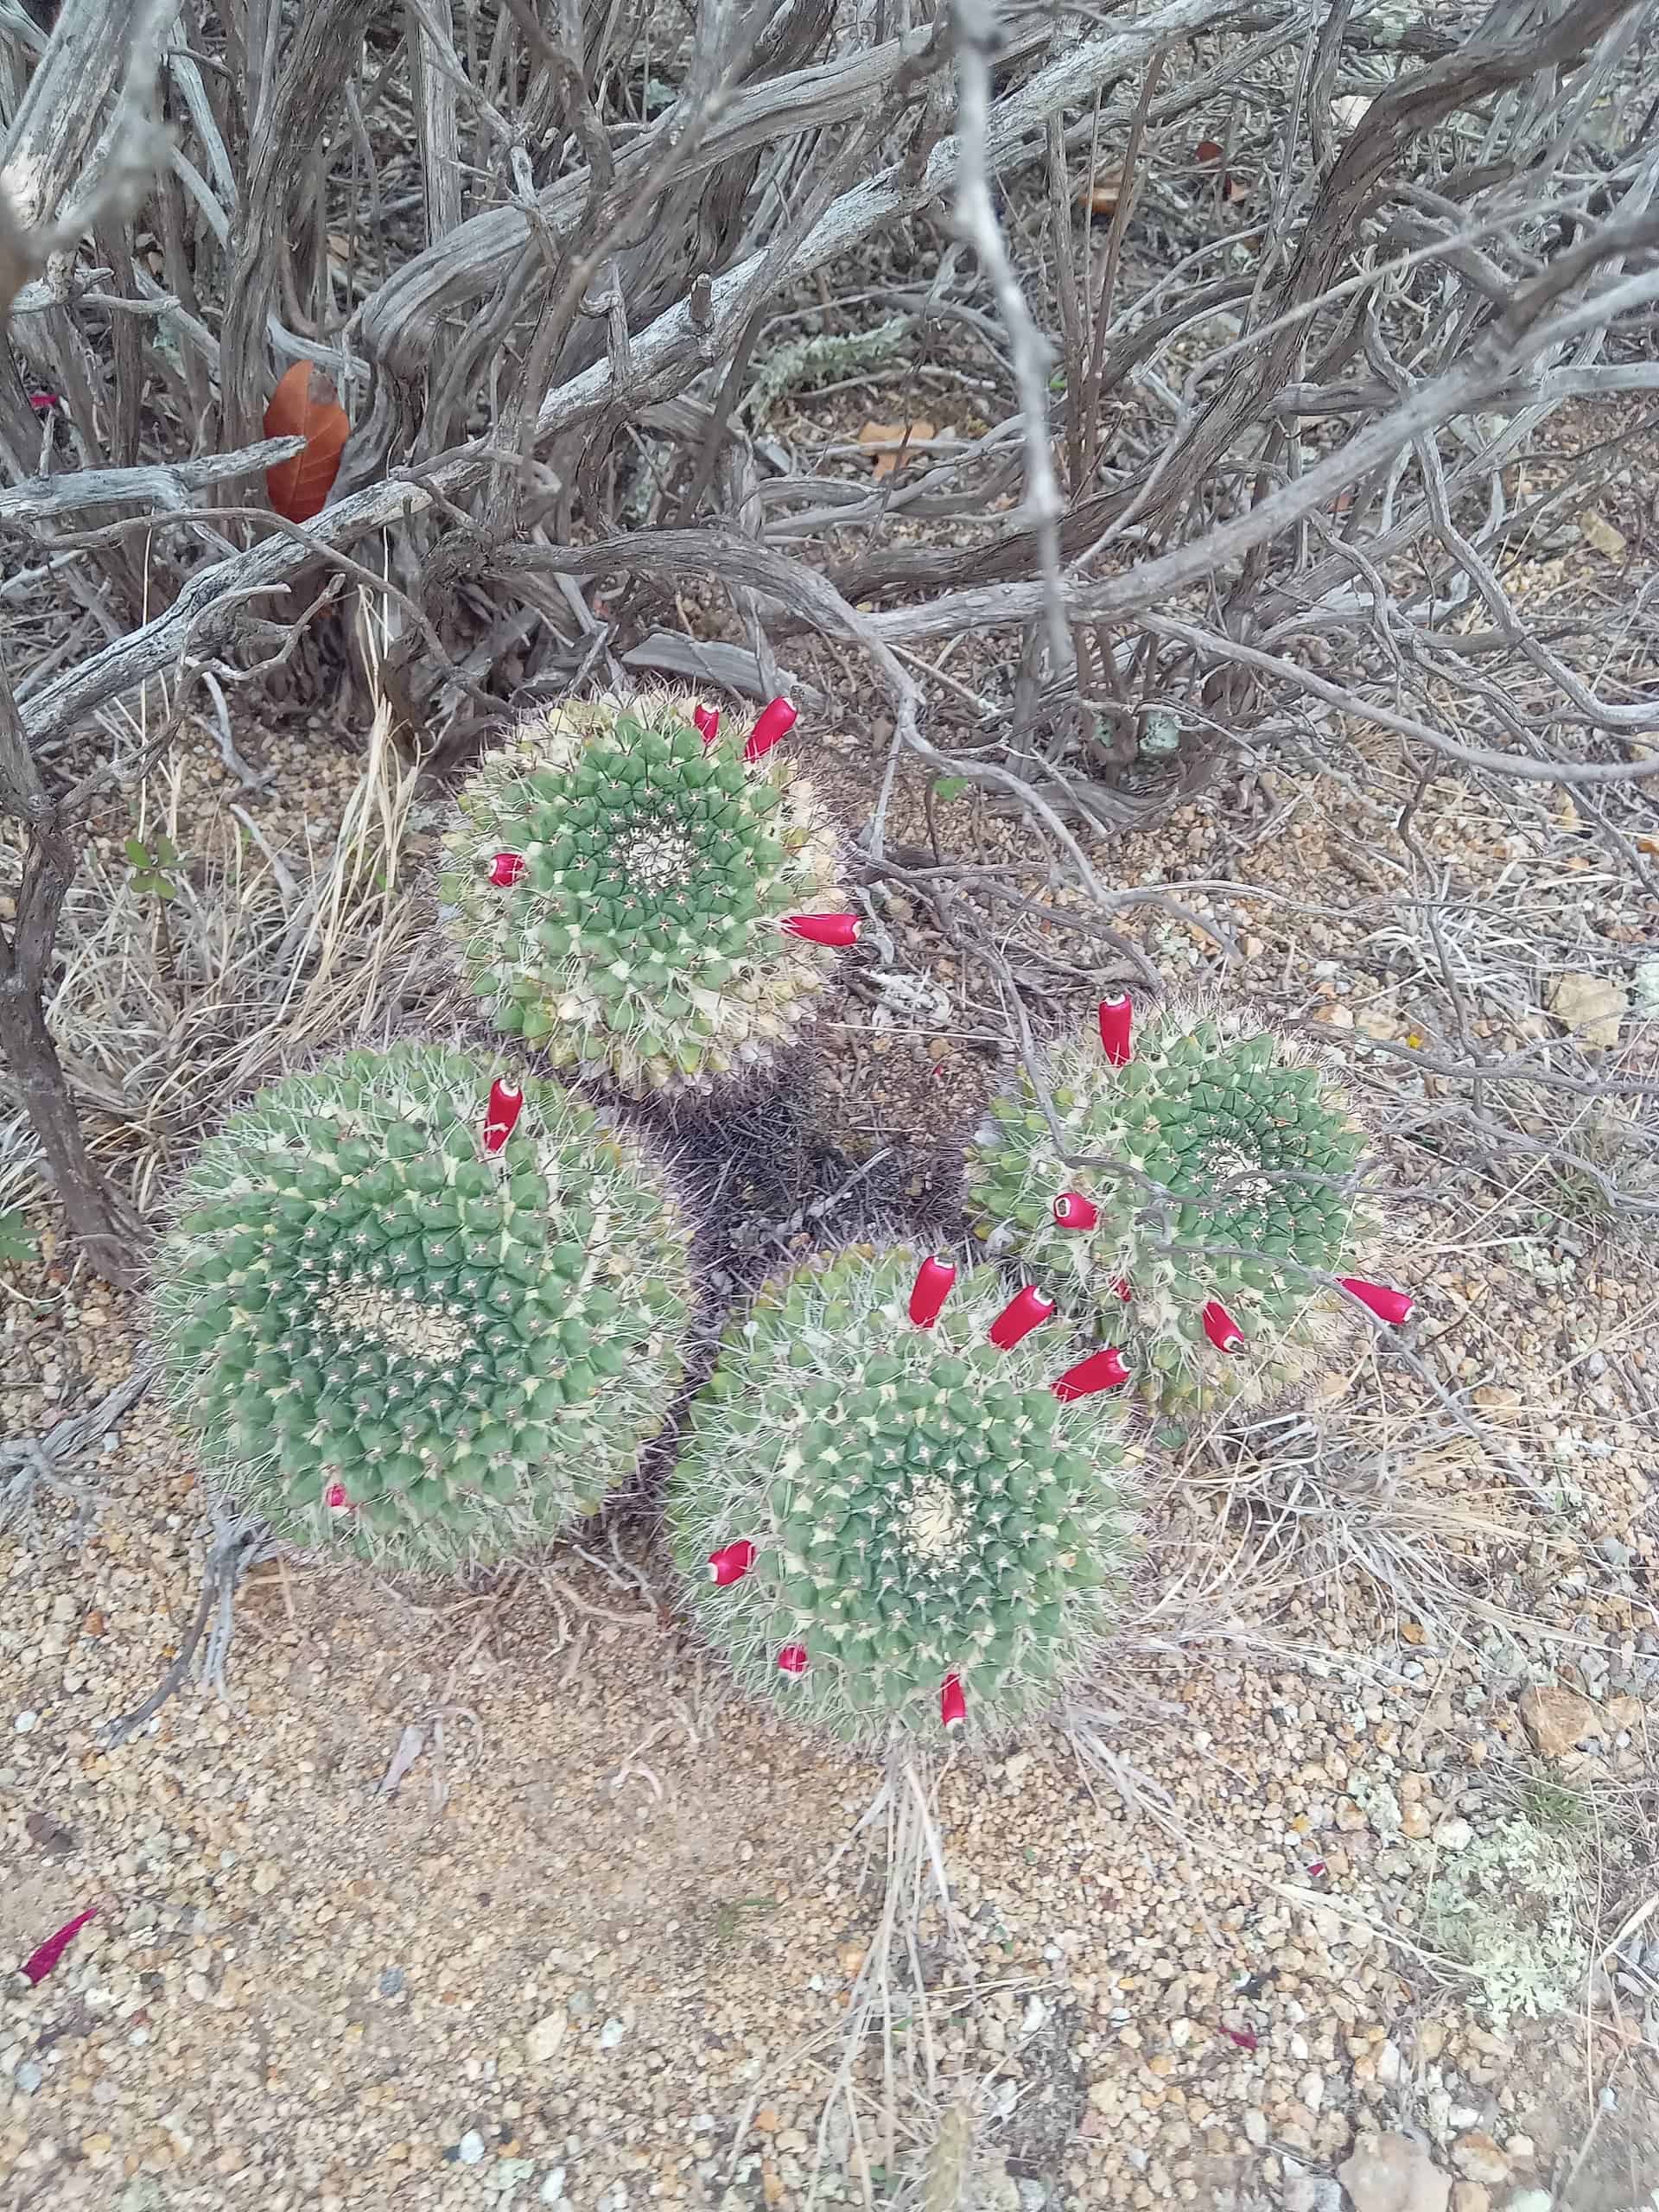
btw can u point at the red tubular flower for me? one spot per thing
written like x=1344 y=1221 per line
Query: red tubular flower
x=1102 y=1370
x=1221 y=1328
x=40 y=1963
x=1028 y=1310
x=823 y=929
x=933 y=1287
x=505 y=1108
x=1388 y=1305
x=1117 y=1016
x=953 y=1706
x=792 y=1659
x=505 y=869
x=775 y=721
x=1073 y=1210
x=732 y=1564
x=708 y=722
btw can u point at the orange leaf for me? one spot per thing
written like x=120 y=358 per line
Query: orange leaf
x=1101 y=197
x=886 y=439
x=305 y=405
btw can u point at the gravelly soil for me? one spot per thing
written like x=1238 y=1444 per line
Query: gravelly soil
x=593 y=1945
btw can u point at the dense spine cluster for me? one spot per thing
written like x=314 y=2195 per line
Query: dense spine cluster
x=421 y=1313
x=1210 y=1261
x=643 y=895
x=891 y=1514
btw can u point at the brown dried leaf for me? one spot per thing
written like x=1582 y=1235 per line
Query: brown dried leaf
x=888 y=442
x=305 y=405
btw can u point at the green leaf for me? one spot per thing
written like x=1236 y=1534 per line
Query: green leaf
x=137 y=854
x=946 y=788
x=166 y=851
x=16 y=1238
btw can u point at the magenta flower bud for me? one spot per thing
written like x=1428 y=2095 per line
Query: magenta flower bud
x=774 y=722
x=933 y=1287
x=792 y=1659
x=40 y=1961
x=505 y=1108
x=1116 y=1017
x=1388 y=1305
x=335 y=1498
x=1102 y=1370
x=1221 y=1328
x=823 y=929
x=953 y=1706
x=505 y=869
x=731 y=1565
x=708 y=722
x=1028 y=1310
x=1073 y=1210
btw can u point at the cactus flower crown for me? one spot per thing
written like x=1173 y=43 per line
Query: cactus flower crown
x=892 y=1516
x=1213 y=1292
x=644 y=894
x=421 y=1312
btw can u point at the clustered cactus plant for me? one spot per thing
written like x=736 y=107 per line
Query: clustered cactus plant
x=891 y=1513
x=420 y=1312
x=637 y=894
x=1221 y=1289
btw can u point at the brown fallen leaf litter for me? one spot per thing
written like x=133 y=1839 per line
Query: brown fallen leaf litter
x=490 y=1896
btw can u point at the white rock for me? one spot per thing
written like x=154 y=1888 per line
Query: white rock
x=1390 y=2173
x=1454 y=1834
x=552 y=2190
x=1311 y=2090
x=1390 y=2063
x=1530 y=2200
x=546 y=2037
x=1255 y=2127
x=470 y=2149
x=1309 y=2193
x=611 y=2034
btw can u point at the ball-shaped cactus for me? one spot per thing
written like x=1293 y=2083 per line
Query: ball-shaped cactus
x=894 y=1515
x=644 y=894
x=420 y=1314
x=1209 y=1264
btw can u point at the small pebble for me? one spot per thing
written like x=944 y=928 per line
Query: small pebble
x=29 y=2076
x=470 y=2149
x=392 y=1982
x=552 y=2190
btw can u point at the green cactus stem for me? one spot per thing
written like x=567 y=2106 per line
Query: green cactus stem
x=646 y=894
x=1210 y=1280
x=418 y=1312
x=892 y=1528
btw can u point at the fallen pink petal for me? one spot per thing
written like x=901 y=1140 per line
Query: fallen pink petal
x=1028 y=1310
x=731 y=1564
x=1388 y=1304
x=1102 y=1370
x=505 y=869
x=1241 y=2036
x=953 y=1706
x=40 y=1963
x=1116 y=1019
x=773 y=722
x=932 y=1289
x=823 y=929
x=505 y=1108
x=1221 y=1328
x=1073 y=1210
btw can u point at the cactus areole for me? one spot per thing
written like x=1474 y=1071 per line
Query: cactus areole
x=1213 y=1292
x=928 y=1529
x=643 y=893
x=413 y=1311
